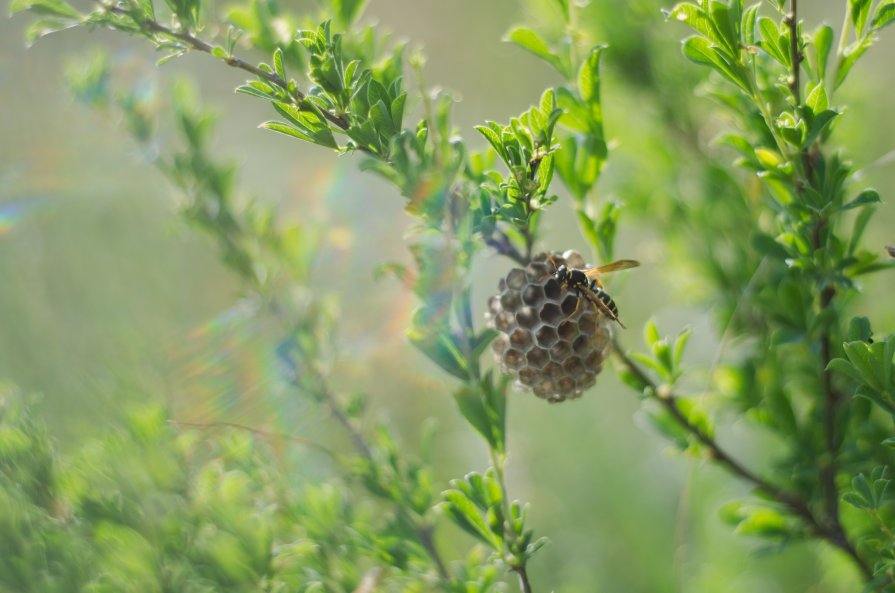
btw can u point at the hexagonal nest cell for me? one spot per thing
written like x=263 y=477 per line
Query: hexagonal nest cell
x=549 y=342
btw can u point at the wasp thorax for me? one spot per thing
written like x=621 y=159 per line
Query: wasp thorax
x=552 y=342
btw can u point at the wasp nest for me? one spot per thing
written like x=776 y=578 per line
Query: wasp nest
x=550 y=342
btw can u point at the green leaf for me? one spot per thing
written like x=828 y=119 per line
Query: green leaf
x=748 y=26
x=465 y=514
x=723 y=30
x=767 y=245
x=258 y=89
x=770 y=43
x=859 y=329
x=817 y=99
x=885 y=14
x=861 y=355
x=472 y=407
x=377 y=92
x=283 y=128
x=859 y=11
x=651 y=334
x=843 y=367
x=45 y=7
x=309 y=123
x=848 y=60
x=868 y=196
x=493 y=139
x=348 y=11
x=862 y=488
x=764 y=522
x=589 y=88
x=382 y=120
x=697 y=19
x=861 y=220
x=680 y=343
x=397 y=110
x=700 y=50
x=855 y=500
x=818 y=124
x=529 y=40
x=45 y=26
x=278 y=63
x=823 y=43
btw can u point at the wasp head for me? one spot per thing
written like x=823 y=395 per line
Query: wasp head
x=562 y=274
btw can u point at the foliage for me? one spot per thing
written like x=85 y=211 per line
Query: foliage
x=784 y=231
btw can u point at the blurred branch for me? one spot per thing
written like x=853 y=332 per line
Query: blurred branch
x=266 y=434
x=797 y=504
x=504 y=246
x=231 y=60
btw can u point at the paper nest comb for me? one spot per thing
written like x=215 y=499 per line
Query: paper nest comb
x=550 y=343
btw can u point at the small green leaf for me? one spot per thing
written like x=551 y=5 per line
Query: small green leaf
x=278 y=63
x=862 y=488
x=529 y=40
x=348 y=11
x=679 y=345
x=283 y=128
x=748 y=26
x=859 y=11
x=843 y=367
x=767 y=245
x=770 y=41
x=45 y=7
x=855 y=500
x=817 y=99
x=849 y=58
x=589 y=76
x=397 y=110
x=823 y=43
x=700 y=50
x=469 y=401
x=868 y=196
x=859 y=329
x=764 y=522
x=861 y=356
x=818 y=124
x=464 y=513
x=651 y=334
x=885 y=14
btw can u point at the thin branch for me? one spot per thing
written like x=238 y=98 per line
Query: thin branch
x=523 y=579
x=198 y=44
x=795 y=503
x=796 y=57
x=502 y=245
x=266 y=434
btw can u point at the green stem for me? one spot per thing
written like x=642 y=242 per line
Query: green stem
x=840 y=48
x=518 y=566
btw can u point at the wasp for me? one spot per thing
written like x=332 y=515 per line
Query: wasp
x=587 y=284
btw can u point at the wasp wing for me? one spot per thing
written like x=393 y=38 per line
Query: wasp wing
x=622 y=264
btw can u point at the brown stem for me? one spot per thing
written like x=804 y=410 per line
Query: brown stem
x=428 y=542
x=500 y=242
x=796 y=57
x=523 y=579
x=795 y=503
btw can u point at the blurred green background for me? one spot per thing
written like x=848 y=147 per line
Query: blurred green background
x=106 y=298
